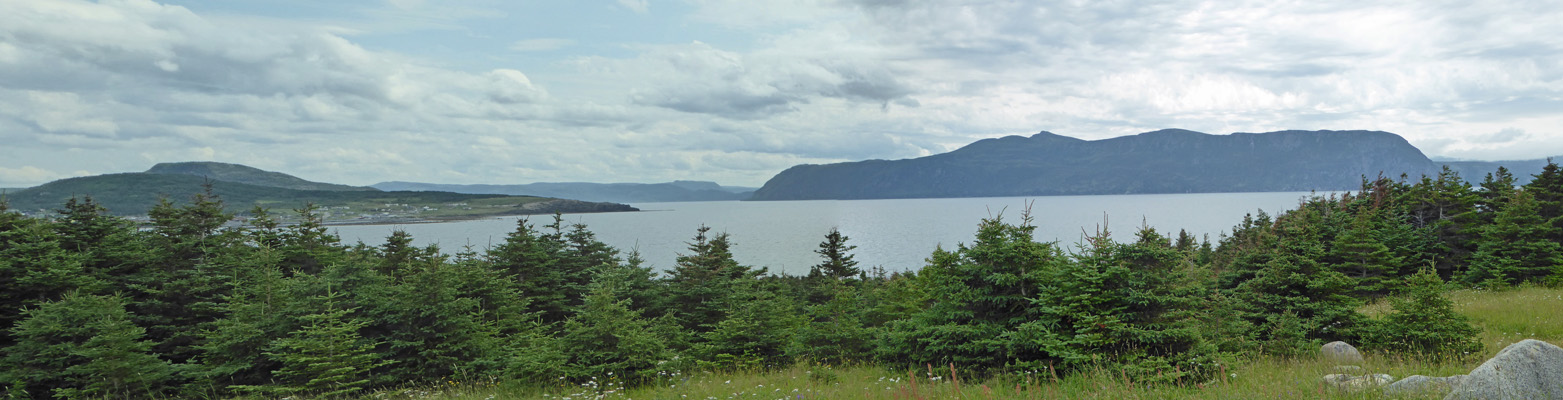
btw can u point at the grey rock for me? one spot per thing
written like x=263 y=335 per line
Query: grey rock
x=1423 y=384
x=1530 y=369
x=1354 y=383
x=1340 y=353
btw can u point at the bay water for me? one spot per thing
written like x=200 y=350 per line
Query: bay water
x=897 y=234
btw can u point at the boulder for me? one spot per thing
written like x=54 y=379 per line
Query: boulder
x=1354 y=383
x=1530 y=369
x=1339 y=352
x=1423 y=385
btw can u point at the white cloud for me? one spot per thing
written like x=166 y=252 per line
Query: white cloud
x=638 y=6
x=543 y=44
x=741 y=89
x=28 y=175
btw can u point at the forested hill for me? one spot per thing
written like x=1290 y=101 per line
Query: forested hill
x=1164 y=161
x=135 y=193
x=614 y=192
x=248 y=175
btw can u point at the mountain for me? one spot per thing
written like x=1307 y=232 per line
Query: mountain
x=134 y=193
x=248 y=175
x=610 y=192
x=1164 y=161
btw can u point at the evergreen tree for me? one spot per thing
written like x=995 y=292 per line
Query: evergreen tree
x=1274 y=269
x=432 y=327
x=834 y=332
x=326 y=356
x=701 y=281
x=1364 y=258
x=34 y=269
x=307 y=246
x=1125 y=305
x=756 y=330
x=838 y=263
x=1423 y=323
x=608 y=341
x=83 y=346
x=1515 y=247
x=975 y=296
x=255 y=313
x=533 y=259
x=1497 y=188
x=1547 y=188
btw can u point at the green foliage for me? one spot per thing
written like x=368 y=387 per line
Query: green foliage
x=755 y=332
x=1129 y=306
x=536 y=262
x=838 y=263
x=1364 y=258
x=1423 y=323
x=834 y=333
x=1515 y=248
x=976 y=295
x=326 y=356
x=702 y=280
x=213 y=311
x=34 y=268
x=84 y=346
x=609 y=341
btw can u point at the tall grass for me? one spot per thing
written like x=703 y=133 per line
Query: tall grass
x=1505 y=316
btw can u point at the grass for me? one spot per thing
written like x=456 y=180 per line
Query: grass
x=1506 y=317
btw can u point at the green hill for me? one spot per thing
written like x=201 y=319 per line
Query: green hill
x=246 y=174
x=135 y=193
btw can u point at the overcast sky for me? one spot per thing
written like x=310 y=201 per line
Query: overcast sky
x=502 y=91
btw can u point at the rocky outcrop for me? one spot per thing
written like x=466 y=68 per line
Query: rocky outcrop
x=1530 y=369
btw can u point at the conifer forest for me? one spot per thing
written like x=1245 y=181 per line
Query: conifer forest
x=192 y=306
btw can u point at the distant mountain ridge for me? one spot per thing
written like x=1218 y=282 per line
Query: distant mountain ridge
x=248 y=175
x=1164 y=161
x=611 y=192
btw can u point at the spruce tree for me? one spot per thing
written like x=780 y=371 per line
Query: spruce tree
x=756 y=330
x=533 y=260
x=1514 y=248
x=834 y=332
x=607 y=341
x=975 y=296
x=838 y=263
x=84 y=346
x=1496 y=190
x=1130 y=306
x=326 y=356
x=1424 y=324
x=1364 y=258
x=1547 y=188
x=34 y=269
x=701 y=281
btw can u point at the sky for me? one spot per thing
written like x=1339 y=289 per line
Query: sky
x=734 y=91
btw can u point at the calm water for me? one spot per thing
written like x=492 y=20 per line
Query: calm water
x=895 y=234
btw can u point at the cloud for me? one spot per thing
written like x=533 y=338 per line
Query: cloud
x=544 y=44
x=501 y=92
x=700 y=78
x=28 y=175
x=638 y=6
x=1505 y=135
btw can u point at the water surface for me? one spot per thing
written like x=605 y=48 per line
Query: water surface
x=897 y=234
